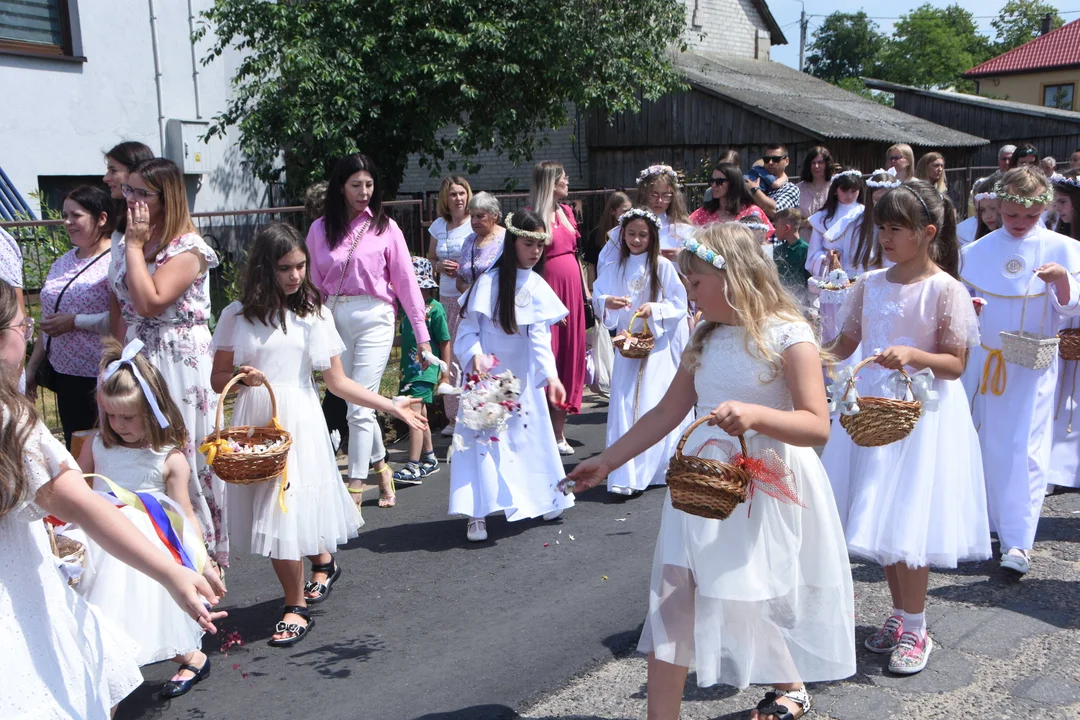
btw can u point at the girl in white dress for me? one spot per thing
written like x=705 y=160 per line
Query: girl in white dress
x=508 y=316
x=920 y=501
x=986 y=217
x=765 y=596
x=836 y=226
x=660 y=190
x=1014 y=404
x=277 y=332
x=62 y=658
x=139 y=449
x=641 y=282
x=1065 y=455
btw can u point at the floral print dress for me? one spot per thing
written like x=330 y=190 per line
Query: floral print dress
x=177 y=343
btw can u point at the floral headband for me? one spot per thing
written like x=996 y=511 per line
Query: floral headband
x=534 y=234
x=713 y=258
x=1044 y=198
x=1073 y=182
x=639 y=213
x=889 y=184
x=856 y=173
x=979 y=197
x=659 y=170
x=754 y=225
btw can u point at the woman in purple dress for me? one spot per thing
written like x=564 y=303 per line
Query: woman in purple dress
x=563 y=273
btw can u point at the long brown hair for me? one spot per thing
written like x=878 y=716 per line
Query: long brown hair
x=867 y=252
x=19 y=418
x=652 y=253
x=261 y=295
x=122 y=388
x=1072 y=192
x=163 y=176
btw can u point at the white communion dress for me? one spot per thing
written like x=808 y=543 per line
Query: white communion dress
x=318 y=514
x=1065 y=454
x=518 y=473
x=764 y=596
x=920 y=501
x=130 y=599
x=61 y=657
x=840 y=233
x=637 y=385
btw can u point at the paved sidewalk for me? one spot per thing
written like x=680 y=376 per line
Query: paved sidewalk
x=1002 y=649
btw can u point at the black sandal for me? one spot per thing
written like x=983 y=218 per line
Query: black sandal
x=770 y=706
x=333 y=572
x=299 y=631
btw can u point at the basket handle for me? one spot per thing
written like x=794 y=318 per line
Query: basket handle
x=225 y=391
x=864 y=363
x=1023 y=306
x=694 y=426
x=644 y=323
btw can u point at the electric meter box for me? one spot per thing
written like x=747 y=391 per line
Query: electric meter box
x=184 y=146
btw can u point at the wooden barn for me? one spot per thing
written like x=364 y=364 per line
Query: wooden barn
x=1003 y=122
x=746 y=104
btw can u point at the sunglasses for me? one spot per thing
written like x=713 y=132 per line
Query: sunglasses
x=719 y=181
x=773 y=158
x=896 y=158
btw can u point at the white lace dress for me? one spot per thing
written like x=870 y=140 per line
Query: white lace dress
x=60 y=658
x=765 y=596
x=922 y=500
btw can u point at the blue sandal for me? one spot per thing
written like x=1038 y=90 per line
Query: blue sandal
x=176 y=688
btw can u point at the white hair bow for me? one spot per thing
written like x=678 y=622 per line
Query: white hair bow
x=127 y=357
x=841 y=396
x=921 y=386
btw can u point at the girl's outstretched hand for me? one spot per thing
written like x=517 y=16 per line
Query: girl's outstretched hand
x=188 y=588
x=212 y=573
x=588 y=473
x=254 y=377
x=733 y=417
x=403 y=411
x=556 y=392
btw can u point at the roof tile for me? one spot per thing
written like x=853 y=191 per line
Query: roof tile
x=1056 y=48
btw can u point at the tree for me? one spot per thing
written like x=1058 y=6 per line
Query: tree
x=846 y=45
x=1020 y=21
x=318 y=80
x=932 y=46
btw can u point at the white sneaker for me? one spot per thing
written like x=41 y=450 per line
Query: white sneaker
x=553 y=515
x=616 y=490
x=565 y=449
x=477 y=530
x=448 y=431
x=1015 y=560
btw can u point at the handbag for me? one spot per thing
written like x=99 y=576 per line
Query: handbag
x=45 y=375
x=590 y=314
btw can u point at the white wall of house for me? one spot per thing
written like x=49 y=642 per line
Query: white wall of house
x=58 y=117
x=731 y=27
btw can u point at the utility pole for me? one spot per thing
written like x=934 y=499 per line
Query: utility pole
x=803 y=23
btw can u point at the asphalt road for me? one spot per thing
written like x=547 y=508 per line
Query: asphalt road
x=424 y=624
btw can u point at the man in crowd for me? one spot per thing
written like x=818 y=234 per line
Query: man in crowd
x=1074 y=161
x=769 y=184
x=1004 y=156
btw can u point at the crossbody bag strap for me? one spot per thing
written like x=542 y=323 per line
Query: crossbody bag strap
x=348 y=259
x=56 y=305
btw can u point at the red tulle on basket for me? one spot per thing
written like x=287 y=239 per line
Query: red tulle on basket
x=768 y=472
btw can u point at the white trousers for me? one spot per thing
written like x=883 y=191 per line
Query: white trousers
x=366 y=326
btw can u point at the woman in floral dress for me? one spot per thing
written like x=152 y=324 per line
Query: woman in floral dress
x=159 y=275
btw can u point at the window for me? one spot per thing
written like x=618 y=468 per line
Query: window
x=47 y=28
x=1059 y=96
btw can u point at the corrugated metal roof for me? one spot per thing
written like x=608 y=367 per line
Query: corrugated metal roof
x=1057 y=48
x=1004 y=105
x=813 y=106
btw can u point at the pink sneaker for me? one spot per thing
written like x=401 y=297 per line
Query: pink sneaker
x=887 y=638
x=911 y=654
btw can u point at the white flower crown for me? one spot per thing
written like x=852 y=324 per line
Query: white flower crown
x=755 y=225
x=639 y=213
x=658 y=170
x=1042 y=199
x=534 y=234
x=878 y=184
x=1072 y=182
x=856 y=173
x=979 y=197
x=713 y=258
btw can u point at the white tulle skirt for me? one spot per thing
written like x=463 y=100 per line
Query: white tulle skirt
x=920 y=501
x=319 y=514
x=763 y=597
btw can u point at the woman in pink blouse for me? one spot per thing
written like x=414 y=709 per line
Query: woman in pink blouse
x=75 y=310
x=361 y=264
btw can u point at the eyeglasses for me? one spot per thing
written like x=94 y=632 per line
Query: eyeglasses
x=27 y=326
x=774 y=158
x=139 y=193
x=719 y=181
x=666 y=197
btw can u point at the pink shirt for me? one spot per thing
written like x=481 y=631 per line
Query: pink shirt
x=380 y=267
x=77 y=352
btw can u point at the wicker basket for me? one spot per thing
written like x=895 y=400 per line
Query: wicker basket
x=1034 y=352
x=68 y=550
x=248 y=468
x=643 y=341
x=705 y=487
x=880 y=421
x=1069 y=347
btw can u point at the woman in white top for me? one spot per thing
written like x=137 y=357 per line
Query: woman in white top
x=448 y=233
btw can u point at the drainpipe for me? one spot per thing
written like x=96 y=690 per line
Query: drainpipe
x=194 y=61
x=157 y=75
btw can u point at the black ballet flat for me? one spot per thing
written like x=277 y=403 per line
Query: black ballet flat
x=173 y=689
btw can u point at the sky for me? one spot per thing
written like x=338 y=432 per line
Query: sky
x=787 y=12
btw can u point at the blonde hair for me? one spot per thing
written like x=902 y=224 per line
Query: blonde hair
x=542 y=191
x=676 y=211
x=754 y=290
x=905 y=150
x=444 y=194
x=922 y=171
x=123 y=389
x=1027 y=181
x=18 y=418
x=163 y=176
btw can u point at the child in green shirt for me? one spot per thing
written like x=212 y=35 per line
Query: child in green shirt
x=420 y=384
x=790 y=253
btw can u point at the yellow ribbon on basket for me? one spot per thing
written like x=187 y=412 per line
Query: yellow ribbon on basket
x=284 y=474
x=995 y=374
x=214 y=447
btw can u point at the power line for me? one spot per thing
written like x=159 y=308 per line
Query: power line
x=973 y=17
